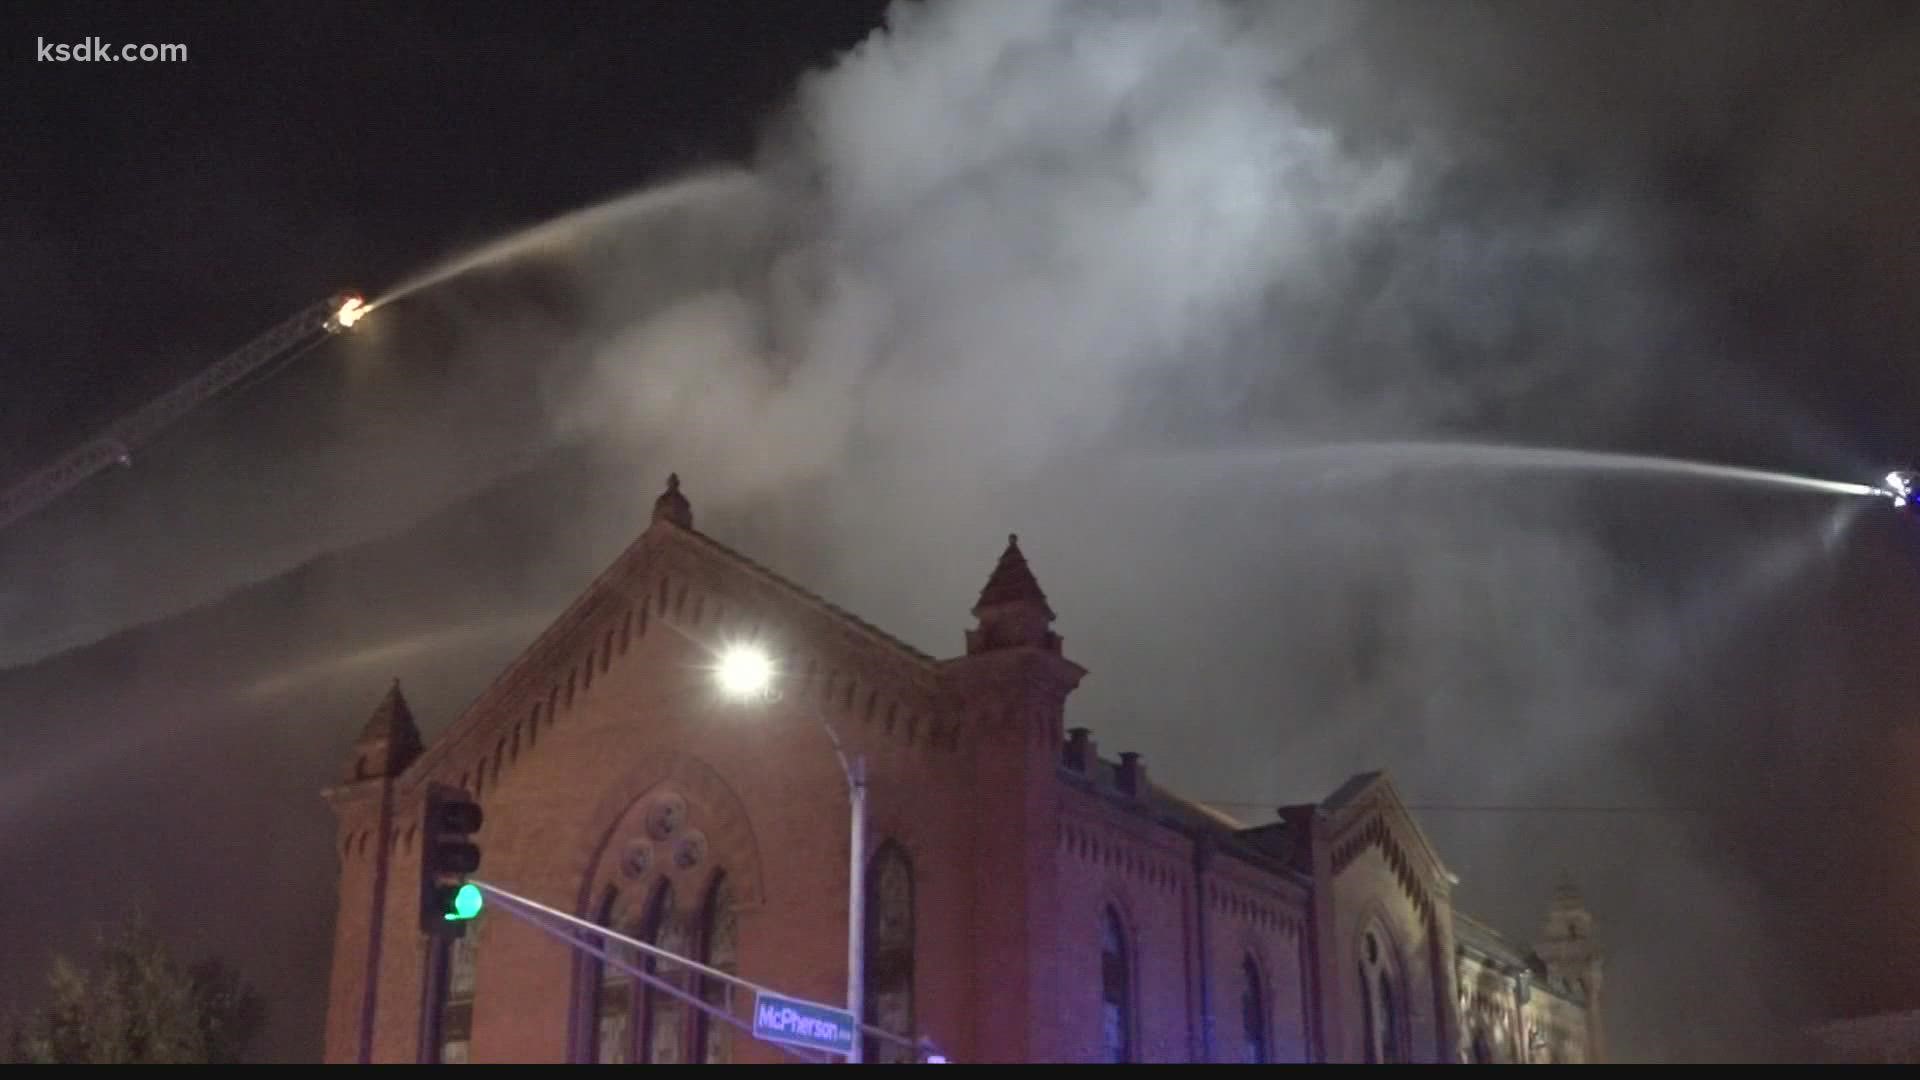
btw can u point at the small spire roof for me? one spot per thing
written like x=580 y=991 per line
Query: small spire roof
x=1012 y=611
x=1012 y=582
x=391 y=719
x=389 y=741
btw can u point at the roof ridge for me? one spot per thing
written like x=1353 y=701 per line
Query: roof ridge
x=804 y=593
x=501 y=684
x=630 y=561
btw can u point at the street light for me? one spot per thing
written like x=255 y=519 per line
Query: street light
x=746 y=673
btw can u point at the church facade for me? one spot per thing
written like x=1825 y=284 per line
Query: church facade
x=1027 y=898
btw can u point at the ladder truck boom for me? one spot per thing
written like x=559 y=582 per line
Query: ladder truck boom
x=118 y=441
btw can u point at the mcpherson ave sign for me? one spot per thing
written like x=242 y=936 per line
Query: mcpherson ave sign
x=802 y=1023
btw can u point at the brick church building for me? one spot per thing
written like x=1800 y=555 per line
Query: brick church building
x=1027 y=899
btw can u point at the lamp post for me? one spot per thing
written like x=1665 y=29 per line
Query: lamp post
x=746 y=673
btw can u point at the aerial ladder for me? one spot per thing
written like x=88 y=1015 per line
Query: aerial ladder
x=116 y=444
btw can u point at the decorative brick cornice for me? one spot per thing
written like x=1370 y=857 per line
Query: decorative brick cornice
x=675 y=577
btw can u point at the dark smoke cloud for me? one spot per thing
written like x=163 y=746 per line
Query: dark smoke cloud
x=997 y=259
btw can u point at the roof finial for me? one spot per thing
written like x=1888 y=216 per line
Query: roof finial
x=673 y=506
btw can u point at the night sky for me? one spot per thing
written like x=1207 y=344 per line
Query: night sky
x=311 y=147
x=1689 y=229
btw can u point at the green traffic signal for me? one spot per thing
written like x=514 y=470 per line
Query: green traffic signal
x=466 y=903
x=447 y=855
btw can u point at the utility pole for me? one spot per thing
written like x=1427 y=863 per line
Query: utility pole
x=857 y=903
x=746 y=673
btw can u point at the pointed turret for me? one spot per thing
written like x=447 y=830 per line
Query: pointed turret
x=389 y=742
x=1010 y=693
x=1012 y=611
x=673 y=506
x=1573 y=957
x=1569 y=927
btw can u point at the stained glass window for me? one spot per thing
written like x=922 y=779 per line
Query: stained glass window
x=719 y=948
x=1381 y=1022
x=889 y=954
x=663 y=1018
x=1253 y=1014
x=613 y=999
x=456 y=964
x=1115 y=991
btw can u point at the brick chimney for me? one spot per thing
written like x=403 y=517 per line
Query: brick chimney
x=1081 y=752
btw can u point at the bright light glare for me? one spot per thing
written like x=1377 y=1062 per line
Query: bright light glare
x=350 y=312
x=744 y=671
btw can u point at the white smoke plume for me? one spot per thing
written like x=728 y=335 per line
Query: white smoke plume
x=1017 y=246
x=1020 y=245
x=1007 y=211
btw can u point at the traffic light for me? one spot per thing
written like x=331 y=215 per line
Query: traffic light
x=447 y=855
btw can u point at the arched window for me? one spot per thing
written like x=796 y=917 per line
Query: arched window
x=1380 y=1002
x=1482 y=1047
x=1369 y=1030
x=662 y=1020
x=1389 y=1022
x=1253 y=1014
x=454 y=968
x=889 y=954
x=1116 y=991
x=613 y=996
x=639 y=1022
x=719 y=948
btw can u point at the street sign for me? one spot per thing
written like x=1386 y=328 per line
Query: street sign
x=802 y=1023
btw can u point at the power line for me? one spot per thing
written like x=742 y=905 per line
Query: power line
x=1864 y=814
x=1517 y=808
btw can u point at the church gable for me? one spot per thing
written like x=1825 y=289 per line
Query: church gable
x=675 y=579
x=1366 y=813
x=540 y=686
